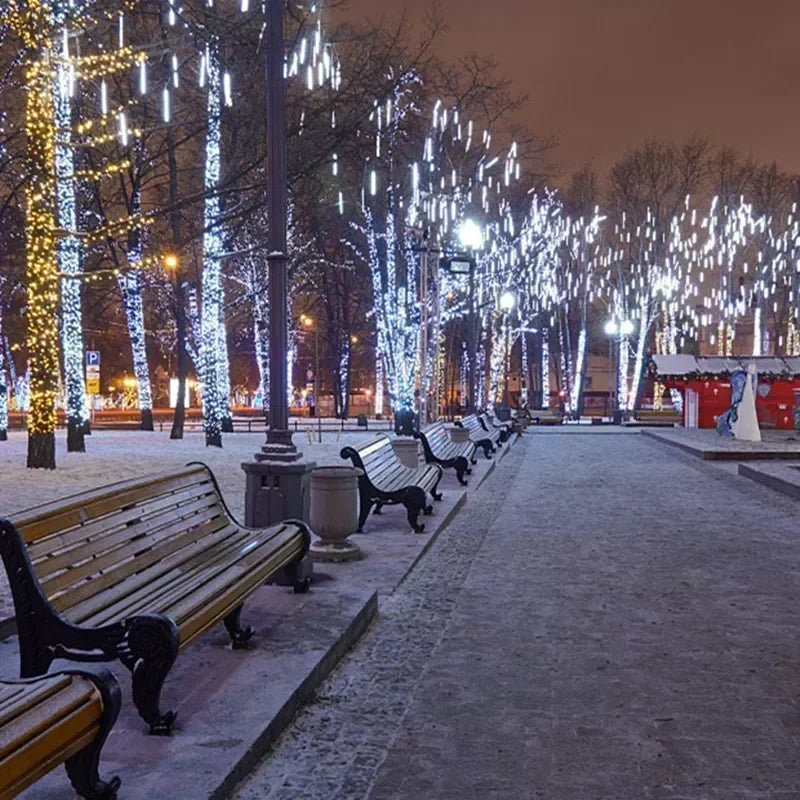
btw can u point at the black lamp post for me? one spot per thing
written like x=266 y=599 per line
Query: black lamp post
x=278 y=436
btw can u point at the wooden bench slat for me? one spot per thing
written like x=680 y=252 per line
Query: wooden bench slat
x=177 y=578
x=44 y=765
x=33 y=718
x=189 y=578
x=99 y=554
x=116 y=556
x=55 y=741
x=229 y=587
x=16 y=698
x=389 y=478
x=70 y=537
x=34 y=524
x=53 y=508
x=140 y=573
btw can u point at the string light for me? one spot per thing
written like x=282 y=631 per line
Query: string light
x=211 y=337
x=42 y=267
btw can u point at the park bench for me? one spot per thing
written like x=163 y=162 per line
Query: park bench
x=137 y=571
x=63 y=718
x=478 y=435
x=490 y=422
x=440 y=449
x=385 y=480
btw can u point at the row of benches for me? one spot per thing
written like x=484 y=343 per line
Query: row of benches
x=385 y=480
x=136 y=572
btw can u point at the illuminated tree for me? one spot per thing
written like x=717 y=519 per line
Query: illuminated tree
x=35 y=27
x=3 y=383
x=212 y=335
x=69 y=256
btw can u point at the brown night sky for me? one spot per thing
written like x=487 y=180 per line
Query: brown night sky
x=603 y=75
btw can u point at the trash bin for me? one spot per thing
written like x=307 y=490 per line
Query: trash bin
x=407 y=450
x=404 y=422
x=458 y=435
x=334 y=513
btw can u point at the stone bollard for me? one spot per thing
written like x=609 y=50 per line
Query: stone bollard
x=459 y=435
x=407 y=450
x=334 y=513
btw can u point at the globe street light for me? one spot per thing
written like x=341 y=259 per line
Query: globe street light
x=508 y=301
x=470 y=235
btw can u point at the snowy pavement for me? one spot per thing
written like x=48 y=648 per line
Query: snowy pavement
x=607 y=618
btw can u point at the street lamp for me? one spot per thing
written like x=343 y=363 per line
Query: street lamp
x=470 y=235
x=279 y=437
x=471 y=238
x=508 y=302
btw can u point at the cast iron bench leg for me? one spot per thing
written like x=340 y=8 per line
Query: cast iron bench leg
x=414 y=501
x=365 y=506
x=150 y=649
x=462 y=468
x=239 y=636
x=82 y=768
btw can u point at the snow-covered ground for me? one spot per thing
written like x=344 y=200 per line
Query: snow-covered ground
x=117 y=455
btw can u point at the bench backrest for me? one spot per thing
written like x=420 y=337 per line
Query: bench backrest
x=88 y=543
x=471 y=422
x=486 y=422
x=376 y=458
x=437 y=436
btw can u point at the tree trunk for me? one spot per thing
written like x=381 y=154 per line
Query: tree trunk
x=69 y=259
x=180 y=299
x=225 y=376
x=3 y=385
x=41 y=266
x=75 y=432
x=180 y=405
x=41 y=451
x=211 y=314
x=130 y=285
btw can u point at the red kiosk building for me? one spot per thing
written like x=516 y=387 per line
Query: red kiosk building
x=704 y=382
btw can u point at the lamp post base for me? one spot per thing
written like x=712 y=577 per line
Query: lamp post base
x=279 y=447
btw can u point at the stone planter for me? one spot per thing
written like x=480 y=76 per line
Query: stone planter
x=459 y=435
x=334 y=513
x=407 y=450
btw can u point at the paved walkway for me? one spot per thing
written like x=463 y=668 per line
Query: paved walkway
x=627 y=628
